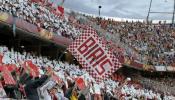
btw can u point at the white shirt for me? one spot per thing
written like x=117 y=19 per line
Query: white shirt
x=97 y=89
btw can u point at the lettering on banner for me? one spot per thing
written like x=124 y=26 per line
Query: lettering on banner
x=95 y=55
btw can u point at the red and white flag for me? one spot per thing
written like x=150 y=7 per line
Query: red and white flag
x=7 y=76
x=30 y=68
x=93 y=55
x=80 y=83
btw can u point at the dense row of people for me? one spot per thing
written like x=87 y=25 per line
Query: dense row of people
x=67 y=74
x=43 y=85
x=40 y=15
x=160 y=82
x=153 y=43
x=164 y=85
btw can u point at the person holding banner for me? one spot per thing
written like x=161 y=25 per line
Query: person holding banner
x=32 y=85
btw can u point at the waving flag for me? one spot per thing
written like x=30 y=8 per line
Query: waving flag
x=7 y=76
x=31 y=69
x=58 y=4
x=80 y=83
x=61 y=10
x=92 y=53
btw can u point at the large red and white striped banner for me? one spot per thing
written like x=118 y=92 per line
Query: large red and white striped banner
x=92 y=53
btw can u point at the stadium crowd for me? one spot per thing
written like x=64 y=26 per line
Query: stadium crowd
x=154 y=43
x=40 y=15
x=37 y=81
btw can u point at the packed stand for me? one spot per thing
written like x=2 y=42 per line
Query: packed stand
x=152 y=44
x=38 y=77
x=164 y=85
x=40 y=15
